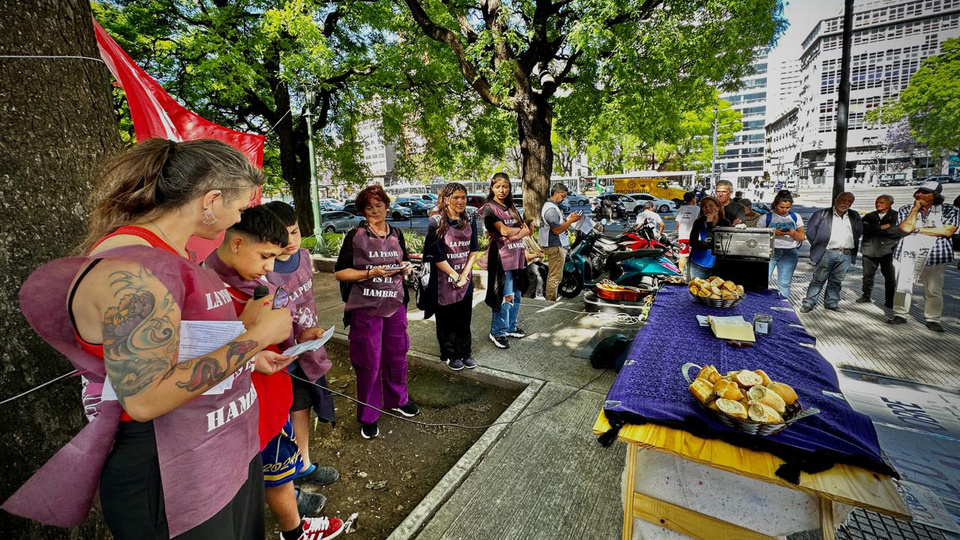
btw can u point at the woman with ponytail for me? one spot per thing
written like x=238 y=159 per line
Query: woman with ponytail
x=172 y=443
x=451 y=248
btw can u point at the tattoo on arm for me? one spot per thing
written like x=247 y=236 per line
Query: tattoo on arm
x=139 y=337
x=208 y=371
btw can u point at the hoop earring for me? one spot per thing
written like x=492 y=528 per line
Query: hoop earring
x=208 y=217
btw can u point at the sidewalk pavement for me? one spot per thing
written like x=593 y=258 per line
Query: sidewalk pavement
x=546 y=477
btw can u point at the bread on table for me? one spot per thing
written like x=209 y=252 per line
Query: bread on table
x=765 y=379
x=732 y=408
x=758 y=412
x=766 y=396
x=785 y=391
x=702 y=390
x=728 y=390
x=747 y=378
x=709 y=373
x=730 y=286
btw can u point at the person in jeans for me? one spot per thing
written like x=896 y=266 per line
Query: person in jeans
x=927 y=226
x=880 y=237
x=834 y=235
x=788 y=235
x=506 y=261
x=553 y=237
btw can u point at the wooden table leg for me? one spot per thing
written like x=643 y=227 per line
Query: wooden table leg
x=827 y=521
x=628 y=491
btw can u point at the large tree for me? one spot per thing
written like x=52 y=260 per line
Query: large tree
x=931 y=102
x=247 y=64
x=593 y=59
x=56 y=125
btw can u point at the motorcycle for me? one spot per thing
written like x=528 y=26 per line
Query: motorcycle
x=617 y=212
x=592 y=255
x=643 y=237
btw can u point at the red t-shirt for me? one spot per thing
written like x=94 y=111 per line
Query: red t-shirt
x=274 y=392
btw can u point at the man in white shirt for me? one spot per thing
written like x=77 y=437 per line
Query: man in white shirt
x=834 y=235
x=651 y=220
x=686 y=215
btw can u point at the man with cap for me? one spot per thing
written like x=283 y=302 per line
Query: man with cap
x=924 y=252
x=834 y=235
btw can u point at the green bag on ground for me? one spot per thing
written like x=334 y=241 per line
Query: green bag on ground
x=610 y=353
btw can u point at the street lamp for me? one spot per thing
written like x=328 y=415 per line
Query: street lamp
x=319 y=247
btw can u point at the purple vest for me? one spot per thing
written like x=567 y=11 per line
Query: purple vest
x=512 y=254
x=299 y=285
x=456 y=245
x=379 y=296
x=204 y=446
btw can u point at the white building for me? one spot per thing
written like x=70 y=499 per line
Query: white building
x=378 y=155
x=890 y=40
x=789 y=79
x=783 y=148
x=743 y=159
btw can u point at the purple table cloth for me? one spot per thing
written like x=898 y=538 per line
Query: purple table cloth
x=651 y=387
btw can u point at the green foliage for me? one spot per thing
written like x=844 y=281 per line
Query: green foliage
x=931 y=102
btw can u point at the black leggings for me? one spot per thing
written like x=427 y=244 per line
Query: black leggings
x=131 y=494
x=453 y=329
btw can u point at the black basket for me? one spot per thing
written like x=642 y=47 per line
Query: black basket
x=791 y=414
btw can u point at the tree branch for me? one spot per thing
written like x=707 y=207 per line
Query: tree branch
x=446 y=36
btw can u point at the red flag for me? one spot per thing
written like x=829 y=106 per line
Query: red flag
x=156 y=114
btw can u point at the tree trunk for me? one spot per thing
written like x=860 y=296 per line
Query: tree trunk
x=56 y=125
x=534 y=125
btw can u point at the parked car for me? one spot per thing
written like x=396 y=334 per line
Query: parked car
x=943 y=179
x=329 y=205
x=476 y=200
x=417 y=208
x=397 y=212
x=660 y=205
x=339 y=221
x=351 y=208
x=576 y=199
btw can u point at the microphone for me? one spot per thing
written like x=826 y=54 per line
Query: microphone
x=260 y=292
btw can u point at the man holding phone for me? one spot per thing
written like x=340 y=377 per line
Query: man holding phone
x=553 y=237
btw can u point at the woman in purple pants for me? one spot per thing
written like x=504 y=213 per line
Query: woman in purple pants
x=370 y=269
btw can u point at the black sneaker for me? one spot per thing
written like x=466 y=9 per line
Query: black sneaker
x=409 y=410
x=518 y=333
x=806 y=309
x=500 y=341
x=863 y=300
x=838 y=309
x=369 y=431
x=897 y=320
x=455 y=364
x=469 y=362
x=309 y=504
x=320 y=476
x=935 y=326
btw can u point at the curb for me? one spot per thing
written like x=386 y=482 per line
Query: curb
x=454 y=478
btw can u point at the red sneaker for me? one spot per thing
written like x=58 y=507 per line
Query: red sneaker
x=320 y=528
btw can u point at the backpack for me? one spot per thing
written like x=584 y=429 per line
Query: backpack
x=420 y=281
x=769 y=217
x=611 y=352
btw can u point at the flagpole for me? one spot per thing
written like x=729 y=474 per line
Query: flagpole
x=314 y=191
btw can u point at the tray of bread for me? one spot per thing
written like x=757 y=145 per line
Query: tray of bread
x=716 y=292
x=746 y=400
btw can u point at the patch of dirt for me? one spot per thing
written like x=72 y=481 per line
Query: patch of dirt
x=385 y=478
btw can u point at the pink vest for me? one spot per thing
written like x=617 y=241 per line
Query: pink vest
x=204 y=446
x=456 y=245
x=380 y=296
x=512 y=254
x=299 y=285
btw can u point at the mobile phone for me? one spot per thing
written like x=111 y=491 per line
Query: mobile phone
x=280 y=298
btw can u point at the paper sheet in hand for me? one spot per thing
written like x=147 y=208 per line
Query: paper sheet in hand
x=198 y=338
x=735 y=328
x=584 y=224
x=312 y=345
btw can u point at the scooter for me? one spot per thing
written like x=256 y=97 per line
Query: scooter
x=592 y=255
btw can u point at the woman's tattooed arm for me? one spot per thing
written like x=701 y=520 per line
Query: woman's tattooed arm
x=141 y=339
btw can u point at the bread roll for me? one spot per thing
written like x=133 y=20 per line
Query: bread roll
x=728 y=390
x=758 y=412
x=727 y=295
x=702 y=390
x=694 y=289
x=703 y=293
x=740 y=290
x=732 y=408
x=747 y=378
x=785 y=391
x=766 y=379
x=730 y=286
x=706 y=373
x=768 y=397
